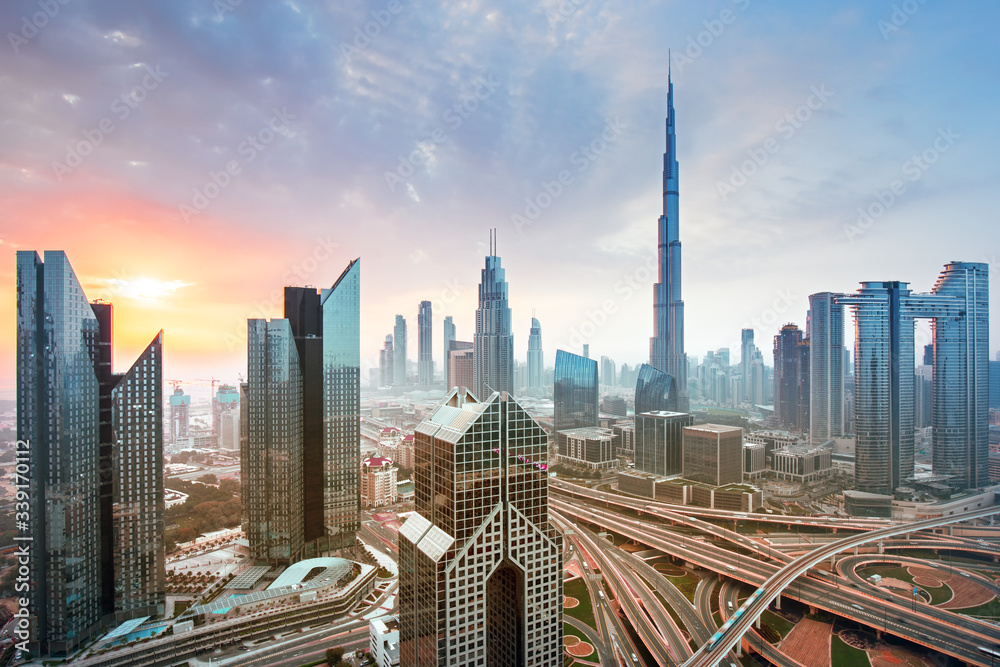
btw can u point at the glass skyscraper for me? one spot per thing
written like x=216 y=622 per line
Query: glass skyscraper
x=575 y=391
x=449 y=335
x=77 y=418
x=271 y=460
x=826 y=368
x=480 y=566
x=659 y=441
x=791 y=379
x=399 y=352
x=654 y=391
x=425 y=338
x=536 y=360
x=493 y=366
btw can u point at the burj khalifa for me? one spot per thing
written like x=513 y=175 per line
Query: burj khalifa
x=666 y=347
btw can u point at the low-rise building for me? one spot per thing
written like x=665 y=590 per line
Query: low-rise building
x=753 y=460
x=591 y=447
x=383 y=640
x=802 y=463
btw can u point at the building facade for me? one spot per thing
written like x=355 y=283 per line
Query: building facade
x=449 y=336
x=536 y=359
x=378 y=482
x=180 y=414
x=575 y=391
x=399 y=352
x=386 y=363
x=659 y=442
x=791 y=379
x=479 y=563
x=655 y=391
x=826 y=368
x=461 y=364
x=713 y=454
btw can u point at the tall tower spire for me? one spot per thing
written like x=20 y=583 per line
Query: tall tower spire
x=666 y=347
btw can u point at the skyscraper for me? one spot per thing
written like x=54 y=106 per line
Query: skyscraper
x=461 y=363
x=791 y=374
x=480 y=579
x=180 y=410
x=884 y=313
x=666 y=347
x=826 y=368
x=271 y=465
x=536 y=361
x=654 y=391
x=659 y=441
x=425 y=354
x=97 y=538
x=575 y=391
x=399 y=353
x=746 y=362
x=226 y=399
x=386 y=359
x=609 y=372
x=494 y=341
x=449 y=335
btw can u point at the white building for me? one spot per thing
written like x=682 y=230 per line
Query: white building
x=383 y=637
x=378 y=482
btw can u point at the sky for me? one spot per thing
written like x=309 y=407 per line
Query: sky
x=193 y=156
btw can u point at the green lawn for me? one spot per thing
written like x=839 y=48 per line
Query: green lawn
x=685 y=584
x=570 y=630
x=777 y=623
x=990 y=609
x=584 y=611
x=843 y=655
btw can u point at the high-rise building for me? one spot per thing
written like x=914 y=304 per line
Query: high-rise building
x=399 y=352
x=666 y=347
x=994 y=373
x=747 y=349
x=659 y=441
x=97 y=538
x=609 y=372
x=575 y=391
x=386 y=359
x=791 y=374
x=449 y=335
x=923 y=394
x=226 y=399
x=826 y=368
x=180 y=414
x=536 y=361
x=494 y=341
x=884 y=314
x=586 y=351
x=229 y=432
x=713 y=454
x=480 y=579
x=271 y=461
x=461 y=364
x=654 y=391
x=425 y=351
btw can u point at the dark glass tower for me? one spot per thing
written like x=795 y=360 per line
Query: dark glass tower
x=425 y=343
x=493 y=368
x=791 y=379
x=666 y=347
x=654 y=391
x=826 y=368
x=94 y=468
x=479 y=563
x=575 y=389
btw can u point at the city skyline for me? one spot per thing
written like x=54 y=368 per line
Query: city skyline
x=761 y=268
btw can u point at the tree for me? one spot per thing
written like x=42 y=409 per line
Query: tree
x=334 y=655
x=208 y=479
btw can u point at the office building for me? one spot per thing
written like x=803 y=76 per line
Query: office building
x=229 y=433
x=386 y=363
x=449 y=336
x=399 y=352
x=826 y=368
x=655 y=391
x=96 y=539
x=383 y=641
x=994 y=374
x=180 y=414
x=666 y=347
x=614 y=405
x=802 y=464
x=659 y=442
x=884 y=313
x=713 y=454
x=425 y=350
x=575 y=391
x=461 y=364
x=609 y=372
x=923 y=394
x=791 y=379
x=272 y=455
x=753 y=460
x=480 y=566
x=226 y=399
x=591 y=448
x=493 y=369
x=536 y=360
